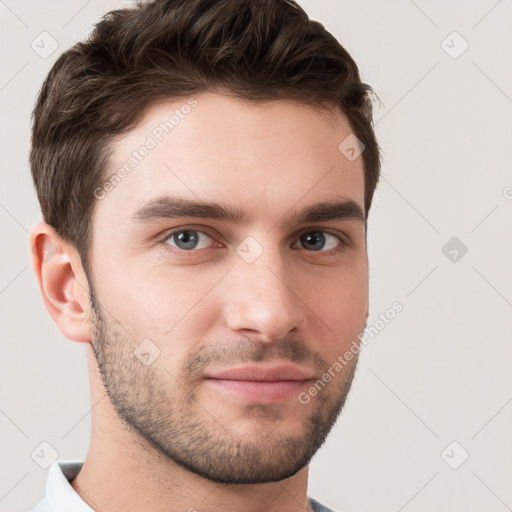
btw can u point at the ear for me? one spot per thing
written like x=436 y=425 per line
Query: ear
x=62 y=281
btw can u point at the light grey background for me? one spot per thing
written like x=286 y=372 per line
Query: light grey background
x=439 y=372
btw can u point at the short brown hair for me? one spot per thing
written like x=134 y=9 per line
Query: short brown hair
x=168 y=49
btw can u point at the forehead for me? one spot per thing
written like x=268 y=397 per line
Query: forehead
x=263 y=157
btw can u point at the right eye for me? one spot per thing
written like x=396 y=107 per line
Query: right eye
x=187 y=239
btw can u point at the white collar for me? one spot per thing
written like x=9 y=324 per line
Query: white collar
x=59 y=494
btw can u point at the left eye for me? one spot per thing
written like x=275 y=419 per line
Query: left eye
x=188 y=239
x=317 y=240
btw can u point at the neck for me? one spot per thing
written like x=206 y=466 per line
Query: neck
x=115 y=478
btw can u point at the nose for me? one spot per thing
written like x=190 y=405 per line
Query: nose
x=262 y=300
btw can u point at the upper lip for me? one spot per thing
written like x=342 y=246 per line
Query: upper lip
x=262 y=373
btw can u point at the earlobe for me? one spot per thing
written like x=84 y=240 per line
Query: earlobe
x=62 y=282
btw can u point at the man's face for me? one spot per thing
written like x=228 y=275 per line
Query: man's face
x=175 y=311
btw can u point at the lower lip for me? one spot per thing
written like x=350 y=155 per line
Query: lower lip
x=261 y=391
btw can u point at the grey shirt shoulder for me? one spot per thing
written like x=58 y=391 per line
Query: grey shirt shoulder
x=318 y=507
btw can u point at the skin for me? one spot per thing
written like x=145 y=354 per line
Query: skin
x=164 y=438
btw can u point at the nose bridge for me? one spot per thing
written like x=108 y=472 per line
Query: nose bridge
x=261 y=297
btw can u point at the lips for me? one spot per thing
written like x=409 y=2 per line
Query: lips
x=263 y=384
x=263 y=374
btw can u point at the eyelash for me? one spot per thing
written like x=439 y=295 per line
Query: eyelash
x=342 y=247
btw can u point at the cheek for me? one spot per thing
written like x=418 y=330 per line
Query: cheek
x=339 y=306
x=147 y=302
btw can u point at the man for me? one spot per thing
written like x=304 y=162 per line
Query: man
x=205 y=171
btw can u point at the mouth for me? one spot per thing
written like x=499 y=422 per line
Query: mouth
x=261 y=384
x=261 y=391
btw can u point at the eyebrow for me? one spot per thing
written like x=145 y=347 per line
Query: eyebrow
x=170 y=207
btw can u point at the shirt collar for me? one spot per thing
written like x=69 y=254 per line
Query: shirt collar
x=59 y=493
